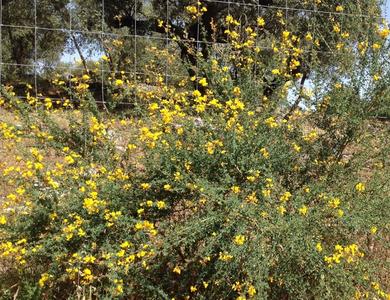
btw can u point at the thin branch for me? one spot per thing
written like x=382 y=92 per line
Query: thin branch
x=299 y=98
x=84 y=62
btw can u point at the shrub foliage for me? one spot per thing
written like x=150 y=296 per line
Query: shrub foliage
x=260 y=178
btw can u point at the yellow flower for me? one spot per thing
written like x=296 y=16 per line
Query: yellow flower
x=44 y=277
x=87 y=274
x=360 y=187
x=121 y=253
x=160 y=23
x=251 y=291
x=303 y=210
x=285 y=197
x=319 y=247
x=161 y=204
x=336 y=28
x=264 y=152
x=3 y=220
x=191 y=9
x=236 y=286
x=89 y=259
x=167 y=187
x=38 y=166
x=48 y=103
x=118 y=287
x=374 y=229
x=193 y=289
x=230 y=20
x=119 y=82
x=236 y=91
x=176 y=270
x=311 y=136
x=260 y=21
x=270 y=122
x=384 y=33
x=334 y=203
x=296 y=147
x=225 y=256
x=309 y=37
x=239 y=240
x=251 y=178
x=85 y=77
x=69 y=159
x=281 y=209
x=285 y=34
x=339 y=8
x=266 y=192
x=235 y=189
x=251 y=198
x=203 y=82
x=145 y=186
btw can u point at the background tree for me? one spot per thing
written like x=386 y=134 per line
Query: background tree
x=18 y=35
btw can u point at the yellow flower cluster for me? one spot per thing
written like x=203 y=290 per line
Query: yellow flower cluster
x=74 y=228
x=197 y=10
x=98 y=129
x=349 y=253
x=16 y=251
x=213 y=145
x=93 y=204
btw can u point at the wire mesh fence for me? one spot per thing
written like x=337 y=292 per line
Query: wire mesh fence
x=81 y=45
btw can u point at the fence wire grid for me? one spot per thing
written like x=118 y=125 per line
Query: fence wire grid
x=36 y=27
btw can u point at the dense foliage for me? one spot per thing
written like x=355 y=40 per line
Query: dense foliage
x=264 y=174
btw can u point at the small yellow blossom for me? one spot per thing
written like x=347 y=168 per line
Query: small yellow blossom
x=265 y=153
x=285 y=197
x=374 y=229
x=260 y=21
x=384 y=33
x=360 y=187
x=334 y=203
x=161 y=204
x=239 y=240
x=44 y=277
x=303 y=210
x=119 y=82
x=251 y=291
x=168 y=187
x=203 y=82
x=193 y=289
x=225 y=256
x=145 y=186
x=3 y=220
x=235 y=189
x=281 y=209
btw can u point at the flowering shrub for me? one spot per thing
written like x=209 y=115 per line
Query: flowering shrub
x=240 y=188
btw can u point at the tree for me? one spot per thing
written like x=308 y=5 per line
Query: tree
x=19 y=46
x=196 y=26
